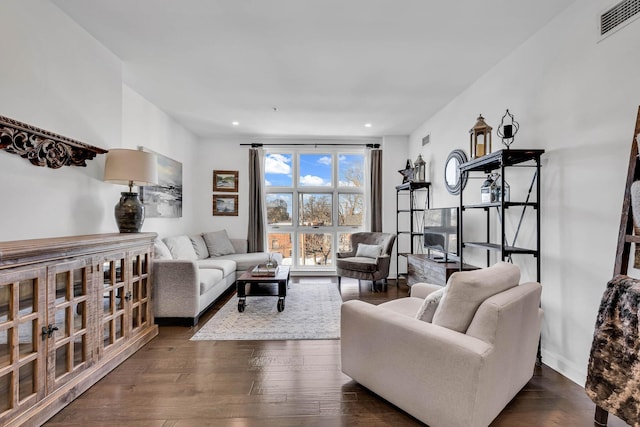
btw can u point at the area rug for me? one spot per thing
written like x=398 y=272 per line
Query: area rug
x=312 y=312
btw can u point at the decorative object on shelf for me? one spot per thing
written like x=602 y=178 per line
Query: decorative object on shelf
x=44 y=148
x=165 y=199
x=507 y=129
x=130 y=167
x=226 y=181
x=507 y=190
x=488 y=190
x=480 y=138
x=225 y=205
x=407 y=172
x=419 y=169
x=453 y=179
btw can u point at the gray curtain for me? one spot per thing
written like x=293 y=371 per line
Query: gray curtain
x=376 y=190
x=255 y=235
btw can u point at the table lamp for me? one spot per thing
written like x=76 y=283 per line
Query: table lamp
x=130 y=167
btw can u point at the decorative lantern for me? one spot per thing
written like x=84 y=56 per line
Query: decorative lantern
x=488 y=190
x=507 y=191
x=480 y=138
x=508 y=129
x=419 y=169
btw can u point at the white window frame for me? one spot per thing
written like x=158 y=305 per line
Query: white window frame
x=335 y=190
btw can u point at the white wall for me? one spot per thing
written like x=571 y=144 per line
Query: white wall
x=578 y=100
x=146 y=125
x=57 y=77
x=225 y=153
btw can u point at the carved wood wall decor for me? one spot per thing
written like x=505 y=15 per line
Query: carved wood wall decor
x=44 y=148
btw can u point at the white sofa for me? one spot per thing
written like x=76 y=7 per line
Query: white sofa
x=463 y=361
x=191 y=272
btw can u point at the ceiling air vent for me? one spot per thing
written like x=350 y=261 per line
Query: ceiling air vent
x=618 y=16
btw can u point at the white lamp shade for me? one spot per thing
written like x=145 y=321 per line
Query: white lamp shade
x=127 y=167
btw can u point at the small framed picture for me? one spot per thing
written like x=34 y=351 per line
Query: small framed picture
x=225 y=205
x=225 y=181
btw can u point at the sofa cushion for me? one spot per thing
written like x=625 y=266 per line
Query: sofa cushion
x=363 y=264
x=218 y=243
x=466 y=290
x=209 y=277
x=199 y=246
x=160 y=250
x=227 y=266
x=429 y=306
x=181 y=247
x=368 y=251
x=247 y=261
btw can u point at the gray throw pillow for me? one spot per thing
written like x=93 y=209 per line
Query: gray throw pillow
x=429 y=305
x=466 y=290
x=368 y=251
x=199 y=246
x=218 y=243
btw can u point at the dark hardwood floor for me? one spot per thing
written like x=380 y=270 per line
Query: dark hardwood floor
x=174 y=382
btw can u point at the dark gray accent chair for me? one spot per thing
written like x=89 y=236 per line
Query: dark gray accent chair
x=365 y=268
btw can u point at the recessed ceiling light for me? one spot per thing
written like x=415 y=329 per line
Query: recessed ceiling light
x=367 y=125
x=235 y=123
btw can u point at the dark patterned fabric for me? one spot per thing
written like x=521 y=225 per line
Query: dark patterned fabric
x=613 y=377
x=348 y=265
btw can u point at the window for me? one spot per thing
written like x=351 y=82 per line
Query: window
x=314 y=201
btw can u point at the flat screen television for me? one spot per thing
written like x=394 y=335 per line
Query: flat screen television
x=441 y=234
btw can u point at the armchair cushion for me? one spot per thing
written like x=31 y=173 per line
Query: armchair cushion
x=363 y=264
x=218 y=243
x=466 y=290
x=368 y=251
x=429 y=306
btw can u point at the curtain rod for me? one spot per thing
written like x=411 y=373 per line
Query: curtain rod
x=258 y=145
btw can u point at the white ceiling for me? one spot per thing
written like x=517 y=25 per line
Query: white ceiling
x=307 y=67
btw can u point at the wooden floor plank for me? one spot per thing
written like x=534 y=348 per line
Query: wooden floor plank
x=174 y=382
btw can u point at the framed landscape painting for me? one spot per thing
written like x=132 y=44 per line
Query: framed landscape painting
x=225 y=205
x=165 y=199
x=225 y=181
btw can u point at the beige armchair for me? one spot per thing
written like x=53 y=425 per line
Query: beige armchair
x=461 y=368
x=369 y=258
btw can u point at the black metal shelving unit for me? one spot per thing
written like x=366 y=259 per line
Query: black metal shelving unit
x=406 y=205
x=500 y=161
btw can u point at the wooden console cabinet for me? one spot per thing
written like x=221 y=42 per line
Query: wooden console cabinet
x=424 y=269
x=71 y=310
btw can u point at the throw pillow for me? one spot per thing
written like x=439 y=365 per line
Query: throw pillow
x=199 y=246
x=368 y=251
x=218 y=243
x=160 y=250
x=181 y=247
x=429 y=305
x=466 y=290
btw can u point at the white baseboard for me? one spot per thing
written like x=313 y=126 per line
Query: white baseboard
x=577 y=374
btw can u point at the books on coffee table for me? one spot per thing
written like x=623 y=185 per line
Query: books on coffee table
x=263 y=270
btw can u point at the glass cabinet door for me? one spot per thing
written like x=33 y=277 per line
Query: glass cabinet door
x=140 y=291
x=22 y=352
x=114 y=294
x=68 y=330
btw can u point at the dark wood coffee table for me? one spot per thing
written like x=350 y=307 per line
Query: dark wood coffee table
x=263 y=286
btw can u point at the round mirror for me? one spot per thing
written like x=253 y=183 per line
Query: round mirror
x=452 y=178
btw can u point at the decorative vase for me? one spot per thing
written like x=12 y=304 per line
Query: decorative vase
x=129 y=213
